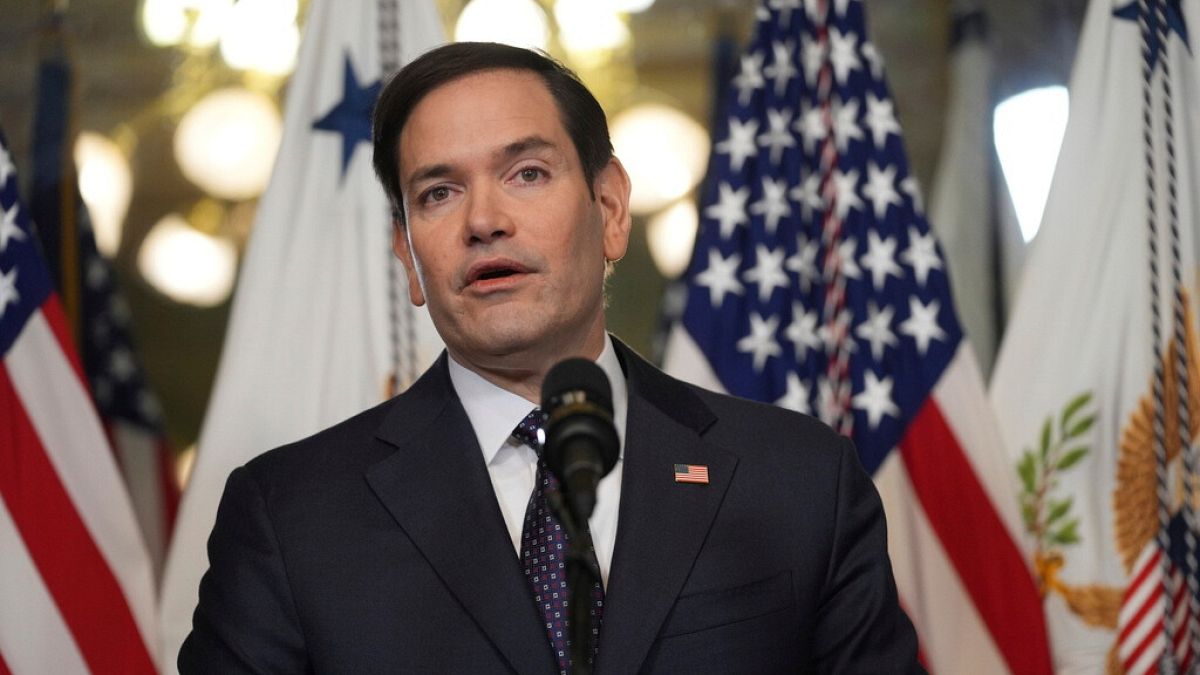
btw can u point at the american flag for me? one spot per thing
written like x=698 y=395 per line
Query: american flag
x=97 y=313
x=127 y=405
x=691 y=473
x=817 y=284
x=1140 y=634
x=75 y=575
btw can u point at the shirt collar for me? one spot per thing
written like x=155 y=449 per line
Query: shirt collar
x=494 y=411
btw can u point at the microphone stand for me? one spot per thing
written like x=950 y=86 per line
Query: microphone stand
x=581 y=575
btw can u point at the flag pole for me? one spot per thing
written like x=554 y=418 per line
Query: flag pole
x=54 y=57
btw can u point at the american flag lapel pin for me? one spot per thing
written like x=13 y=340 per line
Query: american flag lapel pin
x=691 y=473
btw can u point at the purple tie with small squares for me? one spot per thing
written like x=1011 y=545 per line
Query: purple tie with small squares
x=544 y=552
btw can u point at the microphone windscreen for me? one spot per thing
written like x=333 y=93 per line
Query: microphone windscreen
x=576 y=374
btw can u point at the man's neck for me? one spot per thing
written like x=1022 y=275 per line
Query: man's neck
x=522 y=374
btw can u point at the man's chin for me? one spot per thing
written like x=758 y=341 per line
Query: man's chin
x=505 y=341
x=517 y=338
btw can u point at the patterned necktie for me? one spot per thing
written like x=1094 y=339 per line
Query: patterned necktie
x=544 y=552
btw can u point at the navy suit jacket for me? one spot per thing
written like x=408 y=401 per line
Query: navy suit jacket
x=378 y=546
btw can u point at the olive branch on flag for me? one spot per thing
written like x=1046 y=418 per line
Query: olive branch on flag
x=1048 y=518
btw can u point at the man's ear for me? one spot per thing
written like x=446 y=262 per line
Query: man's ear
x=612 y=193
x=403 y=250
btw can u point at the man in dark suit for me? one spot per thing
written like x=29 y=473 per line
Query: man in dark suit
x=407 y=538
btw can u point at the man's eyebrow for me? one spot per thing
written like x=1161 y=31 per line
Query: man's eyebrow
x=524 y=145
x=517 y=147
x=428 y=172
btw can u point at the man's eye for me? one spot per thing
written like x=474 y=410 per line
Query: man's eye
x=530 y=175
x=437 y=194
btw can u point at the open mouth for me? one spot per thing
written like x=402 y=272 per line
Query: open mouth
x=494 y=271
x=496 y=274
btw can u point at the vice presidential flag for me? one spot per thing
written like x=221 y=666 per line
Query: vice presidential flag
x=1097 y=383
x=76 y=580
x=817 y=284
x=321 y=322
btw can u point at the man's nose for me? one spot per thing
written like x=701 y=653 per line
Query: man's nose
x=487 y=219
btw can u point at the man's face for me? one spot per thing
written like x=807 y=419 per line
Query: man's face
x=503 y=239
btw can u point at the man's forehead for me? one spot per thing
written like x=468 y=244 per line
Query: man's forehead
x=484 y=91
x=502 y=111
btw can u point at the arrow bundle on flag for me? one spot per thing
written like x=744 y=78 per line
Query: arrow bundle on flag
x=816 y=284
x=75 y=575
x=1097 y=380
x=321 y=327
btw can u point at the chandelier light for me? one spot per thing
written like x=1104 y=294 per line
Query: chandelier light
x=187 y=265
x=193 y=23
x=671 y=235
x=106 y=185
x=664 y=151
x=226 y=143
x=628 y=6
x=261 y=35
x=586 y=27
x=521 y=23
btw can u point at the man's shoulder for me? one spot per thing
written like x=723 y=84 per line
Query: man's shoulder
x=358 y=441
x=349 y=442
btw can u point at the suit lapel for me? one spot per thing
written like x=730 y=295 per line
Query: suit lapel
x=662 y=524
x=437 y=488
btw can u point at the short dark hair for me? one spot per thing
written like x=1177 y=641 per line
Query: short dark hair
x=582 y=116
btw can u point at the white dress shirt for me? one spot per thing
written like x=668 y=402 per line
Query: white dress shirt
x=494 y=413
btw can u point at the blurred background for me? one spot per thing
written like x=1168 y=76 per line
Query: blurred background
x=178 y=116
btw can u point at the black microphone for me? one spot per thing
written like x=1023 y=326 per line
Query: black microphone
x=581 y=444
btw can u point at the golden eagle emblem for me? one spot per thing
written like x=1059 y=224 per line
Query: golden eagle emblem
x=1135 y=498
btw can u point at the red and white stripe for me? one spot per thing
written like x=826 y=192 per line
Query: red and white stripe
x=691 y=473
x=75 y=575
x=1141 y=640
x=955 y=466
x=954 y=534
